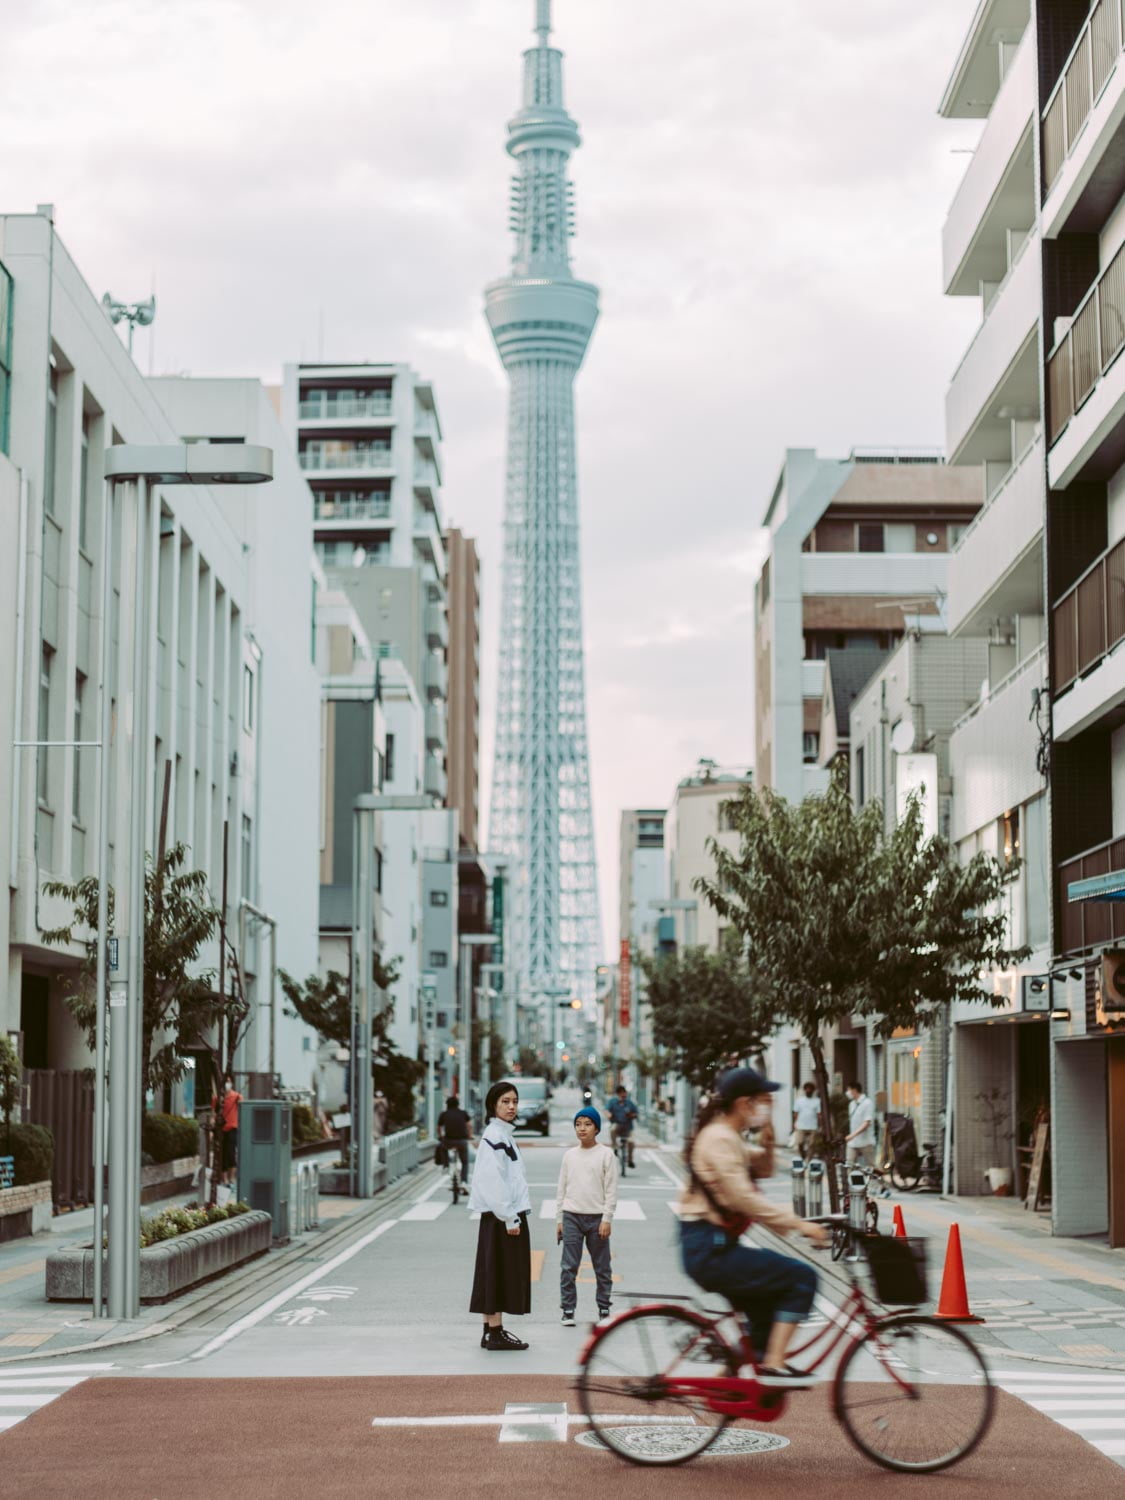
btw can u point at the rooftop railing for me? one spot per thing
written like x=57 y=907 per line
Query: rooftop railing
x=1085 y=352
x=1084 y=76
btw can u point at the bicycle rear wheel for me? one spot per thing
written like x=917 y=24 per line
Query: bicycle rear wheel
x=914 y=1394
x=624 y=1384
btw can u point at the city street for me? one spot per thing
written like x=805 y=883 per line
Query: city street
x=363 y=1374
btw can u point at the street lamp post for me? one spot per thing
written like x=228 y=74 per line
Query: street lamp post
x=129 y=469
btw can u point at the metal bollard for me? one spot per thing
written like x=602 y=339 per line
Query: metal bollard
x=814 y=1188
x=798 y=1170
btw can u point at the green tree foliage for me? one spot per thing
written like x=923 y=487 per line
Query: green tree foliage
x=707 y=1009
x=180 y=1003
x=845 y=919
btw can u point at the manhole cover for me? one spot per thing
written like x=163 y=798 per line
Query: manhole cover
x=652 y=1441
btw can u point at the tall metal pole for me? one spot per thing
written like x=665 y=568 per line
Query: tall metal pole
x=363 y=936
x=105 y=730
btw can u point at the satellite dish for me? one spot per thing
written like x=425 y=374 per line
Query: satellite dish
x=902 y=737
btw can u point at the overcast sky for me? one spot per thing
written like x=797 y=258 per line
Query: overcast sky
x=760 y=197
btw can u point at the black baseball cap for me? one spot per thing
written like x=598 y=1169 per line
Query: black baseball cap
x=739 y=1083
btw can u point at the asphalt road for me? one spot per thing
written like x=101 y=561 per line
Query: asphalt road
x=281 y=1396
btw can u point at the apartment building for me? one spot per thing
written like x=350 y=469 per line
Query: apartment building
x=215 y=639
x=368 y=439
x=1037 y=231
x=858 y=547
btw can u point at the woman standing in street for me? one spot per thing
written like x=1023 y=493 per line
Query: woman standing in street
x=499 y=1193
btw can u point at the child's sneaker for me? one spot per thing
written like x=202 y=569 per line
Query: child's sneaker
x=568 y=1320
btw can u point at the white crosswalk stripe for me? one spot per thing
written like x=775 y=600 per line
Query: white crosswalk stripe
x=1088 y=1404
x=23 y=1395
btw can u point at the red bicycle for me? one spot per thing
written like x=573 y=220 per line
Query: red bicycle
x=659 y=1383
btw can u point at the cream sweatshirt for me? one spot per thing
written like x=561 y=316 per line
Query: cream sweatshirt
x=587 y=1183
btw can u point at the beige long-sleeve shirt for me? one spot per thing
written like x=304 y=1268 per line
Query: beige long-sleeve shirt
x=587 y=1183
x=722 y=1159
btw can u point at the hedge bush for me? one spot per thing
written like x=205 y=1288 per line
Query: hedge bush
x=306 y=1126
x=167 y=1137
x=174 y=1221
x=33 y=1147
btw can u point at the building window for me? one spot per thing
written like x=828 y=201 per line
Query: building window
x=439 y=898
x=389 y=764
x=79 y=685
x=811 y=747
x=84 y=484
x=870 y=536
x=247 y=856
x=49 y=457
x=248 y=699
x=438 y=959
x=44 y=726
x=1009 y=840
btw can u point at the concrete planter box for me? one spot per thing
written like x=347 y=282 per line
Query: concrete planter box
x=25 y=1210
x=167 y=1178
x=172 y=1266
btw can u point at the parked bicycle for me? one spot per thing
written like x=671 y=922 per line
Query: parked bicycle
x=660 y=1383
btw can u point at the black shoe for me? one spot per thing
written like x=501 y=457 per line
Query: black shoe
x=500 y=1338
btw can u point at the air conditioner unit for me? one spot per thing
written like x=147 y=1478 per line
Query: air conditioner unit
x=1109 y=993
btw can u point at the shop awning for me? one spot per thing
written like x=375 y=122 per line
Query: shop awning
x=1109 y=887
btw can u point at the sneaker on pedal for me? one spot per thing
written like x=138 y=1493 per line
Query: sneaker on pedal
x=786 y=1379
x=568 y=1319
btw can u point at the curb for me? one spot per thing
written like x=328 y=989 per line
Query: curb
x=241 y=1280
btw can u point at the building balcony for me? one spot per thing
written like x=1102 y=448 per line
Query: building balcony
x=437 y=626
x=1086 y=384
x=376 y=407
x=897 y=574
x=997 y=381
x=1083 y=124
x=1087 y=628
x=996 y=569
x=435 y=725
x=437 y=678
x=372 y=508
x=356 y=460
x=997 y=192
x=1090 y=924
x=993 y=749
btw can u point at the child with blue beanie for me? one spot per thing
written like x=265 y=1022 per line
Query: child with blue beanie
x=585 y=1200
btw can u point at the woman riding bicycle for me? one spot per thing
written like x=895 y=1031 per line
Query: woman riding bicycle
x=720 y=1201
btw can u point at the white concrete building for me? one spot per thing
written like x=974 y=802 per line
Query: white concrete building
x=74 y=391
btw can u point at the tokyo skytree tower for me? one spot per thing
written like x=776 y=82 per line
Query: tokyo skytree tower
x=541 y=320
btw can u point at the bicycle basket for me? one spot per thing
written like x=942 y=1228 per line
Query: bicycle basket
x=898 y=1268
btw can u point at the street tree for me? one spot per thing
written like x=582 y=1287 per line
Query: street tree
x=707 y=1009
x=844 y=918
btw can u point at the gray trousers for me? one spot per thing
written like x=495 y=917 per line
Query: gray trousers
x=579 y=1230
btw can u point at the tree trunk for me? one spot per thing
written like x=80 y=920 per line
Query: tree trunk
x=820 y=1077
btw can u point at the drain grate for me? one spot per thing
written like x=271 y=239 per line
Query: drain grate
x=655 y=1441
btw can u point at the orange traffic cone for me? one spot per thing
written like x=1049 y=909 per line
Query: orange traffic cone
x=953 y=1304
x=898 y=1232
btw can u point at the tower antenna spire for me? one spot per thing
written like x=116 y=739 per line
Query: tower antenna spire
x=543 y=20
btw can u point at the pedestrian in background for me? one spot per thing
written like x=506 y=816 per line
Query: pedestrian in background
x=499 y=1193
x=806 y=1121
x=585 y=1200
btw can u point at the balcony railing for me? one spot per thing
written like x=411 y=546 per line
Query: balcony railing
x=1085 y=924
x=349 y=458
x=374 y=508
x=1087 y=70
x=344 y=408
x=1093 y=341
x=1089 y=619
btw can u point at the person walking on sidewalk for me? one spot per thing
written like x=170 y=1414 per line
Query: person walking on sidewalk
x=719 y=1202
x=499 y=1193
x=585 y=1200
x=860 y=1139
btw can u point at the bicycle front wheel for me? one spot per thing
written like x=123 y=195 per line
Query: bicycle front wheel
x=637 y=1385
x=914 y=1394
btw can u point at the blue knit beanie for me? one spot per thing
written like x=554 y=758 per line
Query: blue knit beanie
x=590 y=1113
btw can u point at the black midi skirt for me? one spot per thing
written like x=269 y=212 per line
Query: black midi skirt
x=502 y=1280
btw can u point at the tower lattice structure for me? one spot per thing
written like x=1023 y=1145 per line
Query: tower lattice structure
x=541 y=319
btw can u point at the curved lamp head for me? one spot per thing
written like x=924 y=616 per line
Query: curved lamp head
x=190 y=463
